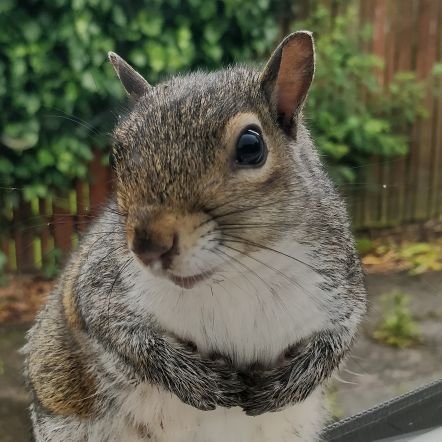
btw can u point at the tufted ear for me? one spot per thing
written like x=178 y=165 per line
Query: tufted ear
x=287 y=77
x=134 y=84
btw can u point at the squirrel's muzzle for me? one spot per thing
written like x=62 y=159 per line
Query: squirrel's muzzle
x=155 y=242
x=152 y=246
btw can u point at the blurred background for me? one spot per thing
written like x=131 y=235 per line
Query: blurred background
x=375 y=110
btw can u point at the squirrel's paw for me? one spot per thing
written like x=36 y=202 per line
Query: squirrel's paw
x=269 y=391
x=229 y=385
x=208 y=383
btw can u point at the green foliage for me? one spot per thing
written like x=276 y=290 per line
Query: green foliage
x=350 y=113
x=364 y=245
x=53 y=71
x=422 y=257
x=52 y=263
x=388 y=255
x=331 y=397
x=58 y=94
x=397 y=327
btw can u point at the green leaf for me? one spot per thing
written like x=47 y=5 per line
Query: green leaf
x=21 y=135
x=32 y=31
x=437 y=69
x=45 y=157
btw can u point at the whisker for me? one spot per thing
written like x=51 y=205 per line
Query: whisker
x=252 y=243
x=293 y=281
x=64 y=223
x=250 y=270
x=108 y=254
x=239 y=225
x=77 y=121
x=353 y=373
x=343 y=381
x=233 y=212
x=242 y=273
x=119 y=273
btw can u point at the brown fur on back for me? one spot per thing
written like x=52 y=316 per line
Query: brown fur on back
x=57 y=371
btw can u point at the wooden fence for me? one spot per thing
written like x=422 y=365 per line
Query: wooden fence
x=407 y=35
x=43 y=232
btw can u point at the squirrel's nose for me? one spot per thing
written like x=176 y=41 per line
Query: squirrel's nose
x=150 y=249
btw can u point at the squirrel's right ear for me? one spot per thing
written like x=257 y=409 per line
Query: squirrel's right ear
x=287 y=77
x=134 y=84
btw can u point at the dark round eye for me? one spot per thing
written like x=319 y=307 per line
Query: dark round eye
x=250 y=148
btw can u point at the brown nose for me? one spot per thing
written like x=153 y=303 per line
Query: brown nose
x=150 y=249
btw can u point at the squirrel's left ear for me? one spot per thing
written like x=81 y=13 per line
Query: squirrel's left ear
x=287 y=77
x=134 y=84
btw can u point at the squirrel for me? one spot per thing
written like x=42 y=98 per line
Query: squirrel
x=220 y=287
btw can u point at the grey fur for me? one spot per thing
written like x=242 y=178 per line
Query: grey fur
x=167 y=151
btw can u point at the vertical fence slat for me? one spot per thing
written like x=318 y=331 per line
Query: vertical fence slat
x=23 y=236
x=44 y=232
x=402 y=62
x=100 y=183
x=82 y=205
x=361 y=195
x=385 y=191
x=5 y=249
x=438 y=139
x=437 y=175
x=63 y=225
x=435 y=120
x=422 y=148
x=374 y=169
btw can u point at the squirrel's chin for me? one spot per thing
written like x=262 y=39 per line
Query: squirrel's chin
x=187 y=282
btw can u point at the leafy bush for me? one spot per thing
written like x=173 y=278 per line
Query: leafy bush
x=422 y=257
x=397 y=327
x=364 y=245
x=414 y=257
x=57 y=91
x=58 y=94
x=351 y=115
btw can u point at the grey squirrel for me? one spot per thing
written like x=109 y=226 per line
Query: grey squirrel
x=220 y=287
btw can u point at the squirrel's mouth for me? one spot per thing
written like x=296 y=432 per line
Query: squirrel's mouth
x=187 y=282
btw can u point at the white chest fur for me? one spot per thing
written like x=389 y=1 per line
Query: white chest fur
x=249 y=313
x=147 y=414
x=161 y=417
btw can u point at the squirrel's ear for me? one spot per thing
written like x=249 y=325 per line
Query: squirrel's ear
x=287 y=77
x=134 y=84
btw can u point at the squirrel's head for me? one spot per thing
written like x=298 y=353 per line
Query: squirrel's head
x=207 y=165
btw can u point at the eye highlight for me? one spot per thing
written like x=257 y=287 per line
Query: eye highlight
x=251 y=150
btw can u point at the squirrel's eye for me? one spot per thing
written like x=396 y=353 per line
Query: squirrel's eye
x=250 y=148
